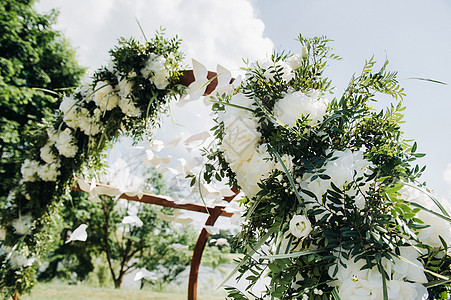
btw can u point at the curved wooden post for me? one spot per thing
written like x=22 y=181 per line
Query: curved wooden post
x=200 y=246
x=198 y=250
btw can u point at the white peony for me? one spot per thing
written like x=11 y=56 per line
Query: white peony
x=254 y=170
x=300 y=226
x=401 y=269
x=343 y=168
x=297 y=105
x=438 y=226
x=104 y=96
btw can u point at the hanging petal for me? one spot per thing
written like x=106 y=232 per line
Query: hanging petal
x=79 y=234
x=132 y=220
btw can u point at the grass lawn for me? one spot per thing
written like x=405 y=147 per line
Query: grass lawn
x=54 y=291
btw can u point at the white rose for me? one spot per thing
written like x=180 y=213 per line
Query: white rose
x=295 y=61
x=296 y=105
x=47 y=154
x=300 y=226
x=128 y=108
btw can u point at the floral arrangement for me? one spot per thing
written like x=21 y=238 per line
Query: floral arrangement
x=334 y=208
x=125 y=97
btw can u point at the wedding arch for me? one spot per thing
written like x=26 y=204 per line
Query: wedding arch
x=333 y=205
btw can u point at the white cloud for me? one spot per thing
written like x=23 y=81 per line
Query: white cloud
x=212 y=31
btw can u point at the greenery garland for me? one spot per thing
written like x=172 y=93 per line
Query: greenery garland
x=125 y=97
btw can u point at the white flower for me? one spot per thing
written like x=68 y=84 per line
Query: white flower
x=79 y=234
x=66 y=143
x=296 y=105
x=69 y=107
x=47 y=154
x=128 y=108
x=300 y=226
x=343 y=168
x=18 y=260
x=105 y=96
x=286 y=71
x=85 y=87
x=125 y=88
x=29 y=170
x=438 y=226
x=295 y=61
x=22 y=224
x=49 y=172
x=241 y=111
x=156 y=69
x=254 y=170
x=240 y=141
x=401 y=269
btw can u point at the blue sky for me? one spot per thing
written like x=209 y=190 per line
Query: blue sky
x=414 y=35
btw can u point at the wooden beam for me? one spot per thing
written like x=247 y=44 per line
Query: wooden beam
x=161 y=201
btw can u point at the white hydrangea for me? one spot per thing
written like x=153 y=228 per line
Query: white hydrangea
x=46 y=153
x=104 y=96
x=29 y=170
x=156 y=70
x=296 y=105
x=49 y=172
x=69 y=107
x=65 y=142
x=76 y=116
x=438 y=226
x=22 y=224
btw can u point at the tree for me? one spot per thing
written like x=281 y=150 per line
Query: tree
x=126 y=246
x=34 y=60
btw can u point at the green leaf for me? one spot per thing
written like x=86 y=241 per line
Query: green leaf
x=291 y=255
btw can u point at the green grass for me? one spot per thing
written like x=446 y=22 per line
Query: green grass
x=54 y=291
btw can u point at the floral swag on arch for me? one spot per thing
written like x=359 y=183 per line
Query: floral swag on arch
x=333 y=208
